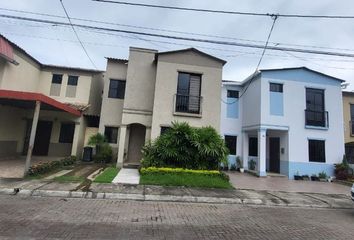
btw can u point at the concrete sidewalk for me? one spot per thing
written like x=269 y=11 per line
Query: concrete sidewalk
x=127 y=176
x=50 y=188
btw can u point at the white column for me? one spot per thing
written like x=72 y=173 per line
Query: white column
x=245 y=150
x=261 y=166
x=121 y=145
x=32 y=136
x=147 y=134
x=75 y=144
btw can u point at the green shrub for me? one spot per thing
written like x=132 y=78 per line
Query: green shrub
x=212 y=173
x=103 y=149
x=46 y=167
x=322 y=175
x=103 y=153
x=184 y=146
x=239 y=163
x=342 y=170
x=252 y=164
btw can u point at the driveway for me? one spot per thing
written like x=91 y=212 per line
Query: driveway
x=248 y=181
x=14 y=167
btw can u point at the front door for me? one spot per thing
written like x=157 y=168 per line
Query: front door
x=136 y=142
x=274 y=154
x=41 y=143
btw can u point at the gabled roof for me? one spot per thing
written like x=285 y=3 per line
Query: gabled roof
x=117 y=59
x=14 y=45
x=256 y=74
x=71 y=68
x=193 y=50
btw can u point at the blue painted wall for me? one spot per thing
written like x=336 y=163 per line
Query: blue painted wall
x=305 y=168
x=276 y=103
x=232 y=108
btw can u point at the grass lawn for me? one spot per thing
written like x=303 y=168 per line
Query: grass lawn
x=107 y=175
x=184 y=179
x=69 y=178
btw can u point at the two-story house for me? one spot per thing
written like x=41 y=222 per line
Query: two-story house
x=348 y=116
x=45 y=110
x=143 y=95
x=289 y=121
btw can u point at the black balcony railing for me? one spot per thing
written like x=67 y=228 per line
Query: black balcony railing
x=316 y=118
x=188 y=103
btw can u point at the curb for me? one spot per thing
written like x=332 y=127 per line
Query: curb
x=151 y=197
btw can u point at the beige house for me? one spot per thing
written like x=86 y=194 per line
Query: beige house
x=52 y=106
x=143 y=95
x=348 y=118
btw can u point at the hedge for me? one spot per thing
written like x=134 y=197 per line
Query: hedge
x=45 y=167
x=211 y=173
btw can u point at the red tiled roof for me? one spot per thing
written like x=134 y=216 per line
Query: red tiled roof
x=30 y=96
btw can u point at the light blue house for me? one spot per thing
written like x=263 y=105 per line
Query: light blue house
x=287 y=121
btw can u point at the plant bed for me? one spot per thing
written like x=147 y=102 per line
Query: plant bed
x=184 y=177
x=107 y=175
x=44 y=169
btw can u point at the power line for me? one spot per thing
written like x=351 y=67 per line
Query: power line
x=172 y=31
x=77 y=36
x=261 y=58
x=228 y=43
x=226 y=12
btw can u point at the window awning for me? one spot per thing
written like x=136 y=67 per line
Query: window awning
x=28 y=100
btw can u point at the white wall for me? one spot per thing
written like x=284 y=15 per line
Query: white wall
x=295 y=83
x=231 y=126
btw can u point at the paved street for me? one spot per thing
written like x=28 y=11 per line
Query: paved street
x=55 y=218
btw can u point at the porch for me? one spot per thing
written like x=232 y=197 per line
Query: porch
x=265 y=151
x=34 y=124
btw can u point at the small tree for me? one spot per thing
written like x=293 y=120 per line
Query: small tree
x=103 y=149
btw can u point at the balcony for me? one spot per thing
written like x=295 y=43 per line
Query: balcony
x=316 y=119
x=188 y=104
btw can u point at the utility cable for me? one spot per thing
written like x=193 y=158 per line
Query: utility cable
x=224 y=11
x=77 y=36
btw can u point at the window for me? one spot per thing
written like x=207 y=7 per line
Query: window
x=67 y=132
x=253 y=146
x=72 y=80
x=231 y=142
x=232 y=94
x=314 y=113
x=57 y=78
x=164 y=130
x=116 y=89
x=317 y=151
x=352 y=119
x=188 y=93
x=232 y=104
x=56 y=85
x=349 y=152
x=111 y=133
x=72 y=85
x=275 y=87
x=276 y=99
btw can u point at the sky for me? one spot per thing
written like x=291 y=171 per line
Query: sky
x=58 y=45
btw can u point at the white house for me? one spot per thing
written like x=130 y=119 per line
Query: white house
x=289 y=121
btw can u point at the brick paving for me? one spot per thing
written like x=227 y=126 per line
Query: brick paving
x=248 y=181
x=55 y=218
